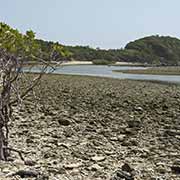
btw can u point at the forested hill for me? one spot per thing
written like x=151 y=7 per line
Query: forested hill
x=157 y=50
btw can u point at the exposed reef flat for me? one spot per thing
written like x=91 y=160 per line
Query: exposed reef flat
x=88 y=127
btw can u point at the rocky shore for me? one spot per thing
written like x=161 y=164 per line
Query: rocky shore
x=88 y=128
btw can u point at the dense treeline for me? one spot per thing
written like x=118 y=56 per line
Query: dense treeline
x=86 y=53
x=158 y=50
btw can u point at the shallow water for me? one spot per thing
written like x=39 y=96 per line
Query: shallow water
x=107 y=71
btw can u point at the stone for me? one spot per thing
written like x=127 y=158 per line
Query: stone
x=29 y=140
x=134 y=123
x=134 y=142
x=114 y=138
x=161 y=169
x=18 y=162
x=109 y=152
x=64 y=145
x=130 y=142
x=64 y=122
x=59 y=170
x=126 y=167
x=98 y=158
x=6 y=170
x=130 y=131
x=30 y=162
x=178 y=137
x=139 y=108
x=172 y=132
x=176 y=167
x=75 y=172
x=121 y=175
x=26 y=173
x=95 y=167
x=72 y=166
x=121 y=137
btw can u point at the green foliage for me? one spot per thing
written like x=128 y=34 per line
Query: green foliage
x=30 y=34
x=58 y=51
x=27 y=46
x=15 y=42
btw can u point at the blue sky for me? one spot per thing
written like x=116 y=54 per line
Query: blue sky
x=97 y=23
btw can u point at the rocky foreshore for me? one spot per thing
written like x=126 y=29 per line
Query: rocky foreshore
x=88 y=128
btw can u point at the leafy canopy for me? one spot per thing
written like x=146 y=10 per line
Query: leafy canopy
x=26 y=46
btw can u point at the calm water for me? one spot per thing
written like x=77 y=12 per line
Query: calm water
x=107 y=71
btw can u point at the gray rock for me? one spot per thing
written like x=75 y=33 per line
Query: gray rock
x=26 y=173
x=134 y=123
x=172 y=132
x=176 y=167
x=72 y=166
x=64 y=122
x=121 y=175
x=121 y=137
x=98 y=158
x=140 y=109
x=130 y=142
x=126 y=167
x=30 y=163
x=95 y=167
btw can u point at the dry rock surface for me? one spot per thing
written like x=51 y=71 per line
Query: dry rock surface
x=88 y=128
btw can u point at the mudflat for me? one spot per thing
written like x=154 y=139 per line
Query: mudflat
x=154 y=71
x=88 y=127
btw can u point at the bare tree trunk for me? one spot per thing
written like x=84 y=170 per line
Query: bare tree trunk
x=11 y=92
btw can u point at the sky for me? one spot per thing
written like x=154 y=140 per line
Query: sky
x=107 y=24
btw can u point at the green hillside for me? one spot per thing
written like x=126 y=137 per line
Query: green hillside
x=162 y=50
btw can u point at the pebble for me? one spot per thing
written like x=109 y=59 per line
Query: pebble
x=114 y=138
x=64 y=122
x=72 y=166
x=95 y=167
x=98 y=158
x=176 y=167
x=121 y=137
